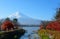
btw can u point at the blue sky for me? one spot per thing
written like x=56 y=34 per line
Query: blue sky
x=37 y=9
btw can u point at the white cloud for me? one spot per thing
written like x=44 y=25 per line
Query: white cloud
x=16 y=15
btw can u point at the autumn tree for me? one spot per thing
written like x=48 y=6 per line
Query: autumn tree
x=7 y=25
x=55 y=25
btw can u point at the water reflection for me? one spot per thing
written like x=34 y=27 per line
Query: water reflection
x=29 y=32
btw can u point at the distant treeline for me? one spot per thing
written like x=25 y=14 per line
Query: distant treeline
x=29 y=25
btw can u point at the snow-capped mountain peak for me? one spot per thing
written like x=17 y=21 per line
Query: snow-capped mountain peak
x=15 y=15
x=23 y=19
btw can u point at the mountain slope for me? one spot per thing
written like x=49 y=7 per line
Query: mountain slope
x=24 y=20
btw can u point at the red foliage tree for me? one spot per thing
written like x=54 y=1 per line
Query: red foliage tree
x=7 y=25
x=54 y=26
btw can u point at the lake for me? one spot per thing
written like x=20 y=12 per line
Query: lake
x=29 y=32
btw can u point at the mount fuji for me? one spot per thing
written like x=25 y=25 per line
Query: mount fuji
x=24 y=20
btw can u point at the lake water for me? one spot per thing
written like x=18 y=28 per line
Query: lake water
x=29 y=32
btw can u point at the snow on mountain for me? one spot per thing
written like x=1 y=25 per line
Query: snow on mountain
x=15 y=15
x=24 y=20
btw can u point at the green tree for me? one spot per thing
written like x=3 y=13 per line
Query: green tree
x=7 y=19
x=1 y=21
x=15 y=20
x=57 y=16
x=16 y=23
